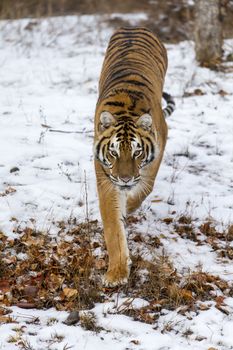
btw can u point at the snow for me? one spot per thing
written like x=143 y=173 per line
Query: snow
x=48 y=90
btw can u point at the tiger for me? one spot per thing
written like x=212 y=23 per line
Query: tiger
x=130 y=134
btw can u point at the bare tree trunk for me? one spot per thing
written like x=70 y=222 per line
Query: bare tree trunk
x=208 y=32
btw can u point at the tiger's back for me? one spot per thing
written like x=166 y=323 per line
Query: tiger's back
x=135 y=59
x=130 y=135
x=132 y=76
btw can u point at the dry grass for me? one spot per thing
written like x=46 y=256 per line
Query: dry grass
x=164 y=288
x=88 y=322
x=207 y=233
x=38 y=271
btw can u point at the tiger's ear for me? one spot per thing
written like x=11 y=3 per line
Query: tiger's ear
x=145 y=122
x=106 y=120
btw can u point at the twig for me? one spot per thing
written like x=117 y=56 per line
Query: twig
x=86 y=202
x=127 y=304
x=70 y=132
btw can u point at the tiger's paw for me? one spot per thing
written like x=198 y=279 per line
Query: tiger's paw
x=117 y=276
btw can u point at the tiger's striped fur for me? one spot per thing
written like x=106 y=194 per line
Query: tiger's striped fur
x=130 y=134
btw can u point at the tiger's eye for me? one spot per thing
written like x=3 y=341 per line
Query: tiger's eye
x=137 y=153
x=114 y=153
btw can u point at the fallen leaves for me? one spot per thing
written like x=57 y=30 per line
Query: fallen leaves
x=4 y=286
x=164 y=288
x=70 y=293
x=196 y=92
x=180 y=294
x=207 y=233
x=220 y=305
x=4 y=315
x=8 y=190
x=40 y=272
x=100 y=264
x=6 y=319
x=135 y=342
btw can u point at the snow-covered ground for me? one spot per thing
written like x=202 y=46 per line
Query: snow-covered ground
x=48 y=90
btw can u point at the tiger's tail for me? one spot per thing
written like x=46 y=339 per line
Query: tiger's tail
x=170 y=107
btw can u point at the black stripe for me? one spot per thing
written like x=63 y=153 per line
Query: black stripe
x=132 y=135
x=143 y=63
x=138 y=33
x=129 y=67
x=133 y=105
x=123 y=54
x=115 y=103
x=128 y=63
x=145 y=110
x=140 y=41
x=122 y=74
x=114 y=82
x=169 y=109
x=168 y=98
x=133 y=114
x=129 y=43
x=120 y=123
x=171 y=103
x=143 y=143
x=105 y=173
x=151 y=153
x=100 y=142
x=120 y=112
x=106 y=94
x=137 y=83
x=136 y=42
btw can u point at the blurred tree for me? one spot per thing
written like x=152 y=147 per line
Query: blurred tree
x=208 y=32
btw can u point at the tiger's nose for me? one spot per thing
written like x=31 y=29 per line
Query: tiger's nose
x=125 y=179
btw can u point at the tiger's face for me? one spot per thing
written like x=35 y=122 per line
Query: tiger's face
x=124 y=148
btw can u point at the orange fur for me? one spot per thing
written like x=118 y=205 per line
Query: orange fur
x=130 y=135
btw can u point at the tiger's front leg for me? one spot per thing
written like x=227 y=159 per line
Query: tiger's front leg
x=112 y=208
x=144 y=188
x=135 y=199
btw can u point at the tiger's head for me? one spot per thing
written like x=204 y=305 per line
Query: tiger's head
x=124 y=147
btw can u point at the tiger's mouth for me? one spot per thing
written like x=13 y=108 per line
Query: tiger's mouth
x=124 y=184
x=126 y=187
